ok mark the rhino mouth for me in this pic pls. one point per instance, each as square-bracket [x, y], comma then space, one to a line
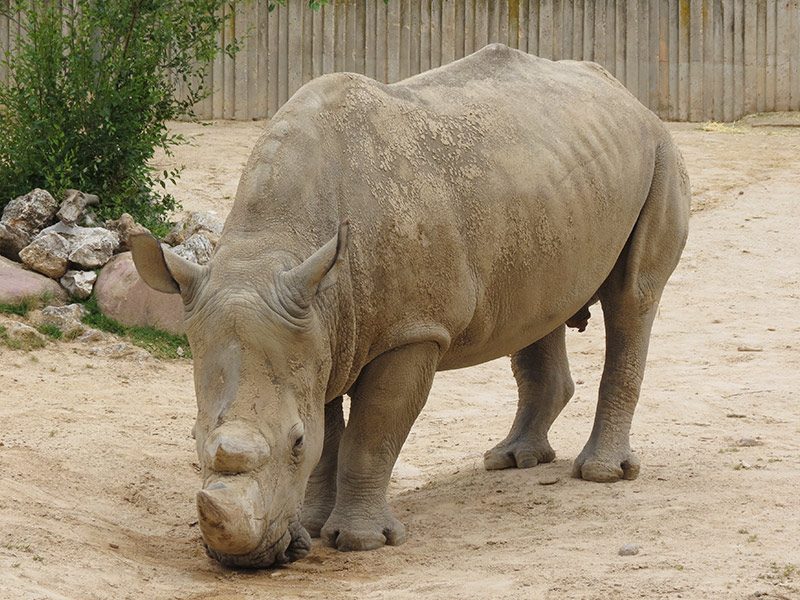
[294, 544]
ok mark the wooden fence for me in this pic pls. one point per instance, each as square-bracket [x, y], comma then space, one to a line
[691, 60]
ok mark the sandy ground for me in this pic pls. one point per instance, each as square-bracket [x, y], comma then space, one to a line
[97, 473]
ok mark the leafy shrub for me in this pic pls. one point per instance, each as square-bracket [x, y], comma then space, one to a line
[91, 86]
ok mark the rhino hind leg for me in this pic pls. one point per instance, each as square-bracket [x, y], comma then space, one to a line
[629, 298]
[545, 386]
[389, 394]
[321, 489]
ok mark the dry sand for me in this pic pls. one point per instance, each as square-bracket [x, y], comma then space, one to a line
[97, 473]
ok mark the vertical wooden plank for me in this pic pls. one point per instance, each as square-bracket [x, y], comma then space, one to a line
[405, 40]
[600, 49]
[577, 30]
[533, 27]
[251, 31]
[557, 29]
[772, 52]
[707, 10]
[663, 59]
[783, 46]
[546, 29]
[727, 58]
[502, 22]
[621, 40]
[307, 45]
[761, 55]
[283, 55]
[469, 27]
[587, 53]
[360, 33]
[217, 79]
[653, 58]
[684, 81]
[328, 38]
[415, 38]
[674, 61]
[393, 36]
[458, 28]
[695, 60]
[349, 36]
[632, 48]
[425, 36]
[492, 21]
[794, 34]
[750, 42]
[340, 43]
[643, 30]
[295, 50]
[369, 40]
[273, 74]
[436, 33]
[481, 23]
[522, 28]
[262, 61]
[611, 43]
[565, 28]
[738, 59]
[719, 62]
[448, 33]
[229, 108]
[381, 44]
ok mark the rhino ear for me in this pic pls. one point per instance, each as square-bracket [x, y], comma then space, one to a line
[318, 272]
[163, 271]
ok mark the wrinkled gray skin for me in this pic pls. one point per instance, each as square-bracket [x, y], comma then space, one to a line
[384, 232]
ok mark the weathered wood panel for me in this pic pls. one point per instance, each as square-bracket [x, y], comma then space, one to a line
[685, 59]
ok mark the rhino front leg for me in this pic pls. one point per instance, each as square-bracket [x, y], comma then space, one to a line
[545, 386]
[321, 489]
[388, 396]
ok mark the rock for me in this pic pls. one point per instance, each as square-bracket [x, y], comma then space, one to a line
[207, 224]
[66, 318]
[629, 550]
[90, 336]
[89, 247]
[23, 218]
[48, 254]
[549, 480]
[123, 296]
[20, 336]
[75, 206]
[18, 284]
[748, 442]
[197, 249]
[124, 227]
[79, 284]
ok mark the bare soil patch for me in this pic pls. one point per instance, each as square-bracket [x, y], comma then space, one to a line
[97, 473]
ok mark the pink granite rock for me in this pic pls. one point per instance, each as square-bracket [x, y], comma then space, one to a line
[122, 295]
[18, 283]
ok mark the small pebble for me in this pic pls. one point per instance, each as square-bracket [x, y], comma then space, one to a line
[113, 545]
[748, 442]
[749, 349]
[549, 480]
[629, 550]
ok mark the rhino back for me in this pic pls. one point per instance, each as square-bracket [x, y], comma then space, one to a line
[487, 199]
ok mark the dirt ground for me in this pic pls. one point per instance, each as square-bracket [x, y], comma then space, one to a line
[97, 473]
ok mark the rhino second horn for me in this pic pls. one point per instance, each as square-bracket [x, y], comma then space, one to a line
[236, 448]
[229, 517]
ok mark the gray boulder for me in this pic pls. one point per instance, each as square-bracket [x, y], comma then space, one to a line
[18, 283]
[89, 247]
[122, 295]
[79, 284]
[75, 207]
[20, 336]
[47, 254]
[66, 318]
[197, 249]
[206, 224]
[23, 218]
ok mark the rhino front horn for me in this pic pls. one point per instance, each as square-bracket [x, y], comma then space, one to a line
[231, 517]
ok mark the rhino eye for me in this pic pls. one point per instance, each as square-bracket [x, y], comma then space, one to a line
[298, 444]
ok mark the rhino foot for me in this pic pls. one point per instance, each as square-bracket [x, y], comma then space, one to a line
[314, 518]
[347, 533]
[592, 466]
[518, 453]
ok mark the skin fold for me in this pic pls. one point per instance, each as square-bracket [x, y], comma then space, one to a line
[381, 233]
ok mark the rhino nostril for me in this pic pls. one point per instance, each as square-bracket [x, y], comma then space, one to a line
[236, 447]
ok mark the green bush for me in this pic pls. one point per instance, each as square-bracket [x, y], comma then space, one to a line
[91, 86]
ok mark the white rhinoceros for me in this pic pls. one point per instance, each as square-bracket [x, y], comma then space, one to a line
[381, 233]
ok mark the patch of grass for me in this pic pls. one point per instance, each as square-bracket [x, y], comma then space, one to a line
[50, 331]
[26, 305]
[160, 344]
[26, 343]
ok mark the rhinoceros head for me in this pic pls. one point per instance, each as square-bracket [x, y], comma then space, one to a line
[261, 361]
